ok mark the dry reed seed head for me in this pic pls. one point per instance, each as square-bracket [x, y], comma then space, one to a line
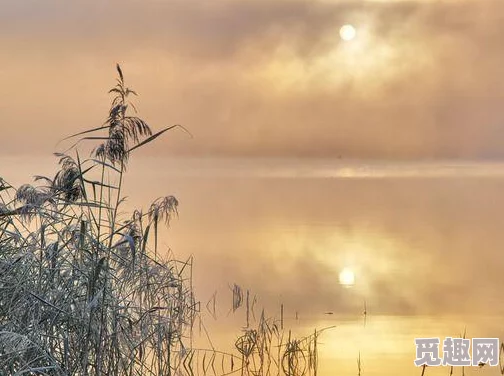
[116, 112]
[163, 208]
[136, 127]
[67, 182]
[99, 152]
[115, 146]
[32, 200]
[122, 128]
[30, 195]
[137, 218]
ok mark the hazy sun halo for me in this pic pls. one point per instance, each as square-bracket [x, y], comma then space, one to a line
[347, 277]
[348, 32]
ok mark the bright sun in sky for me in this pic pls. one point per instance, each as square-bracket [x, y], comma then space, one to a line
[348, 32]
[347, 277]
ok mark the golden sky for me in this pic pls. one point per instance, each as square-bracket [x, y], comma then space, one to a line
[275, 102]
[262, 78]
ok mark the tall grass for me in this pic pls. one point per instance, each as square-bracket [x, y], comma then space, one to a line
[80, 290]
[83, 289]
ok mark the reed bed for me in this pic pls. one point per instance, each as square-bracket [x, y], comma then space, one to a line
[84, 289]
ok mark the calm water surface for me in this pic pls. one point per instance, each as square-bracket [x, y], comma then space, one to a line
[386, 343]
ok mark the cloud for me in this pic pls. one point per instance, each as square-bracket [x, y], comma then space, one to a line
[263, 78]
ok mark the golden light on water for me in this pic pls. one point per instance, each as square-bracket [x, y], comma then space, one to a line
[347, 277]
[348, 32]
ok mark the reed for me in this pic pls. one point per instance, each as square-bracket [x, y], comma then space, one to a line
[84, 289]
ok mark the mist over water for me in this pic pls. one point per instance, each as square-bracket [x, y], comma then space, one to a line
[386, 344]
[424, 250]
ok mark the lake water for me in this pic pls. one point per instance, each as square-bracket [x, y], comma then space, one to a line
[423, 238]
[385, 343]
[387, 347]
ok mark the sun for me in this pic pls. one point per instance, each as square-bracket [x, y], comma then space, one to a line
[348, 32]
[347, 277]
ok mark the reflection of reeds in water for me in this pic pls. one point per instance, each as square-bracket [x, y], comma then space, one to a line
[83, 290]
[266, 350]
[423, 369]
